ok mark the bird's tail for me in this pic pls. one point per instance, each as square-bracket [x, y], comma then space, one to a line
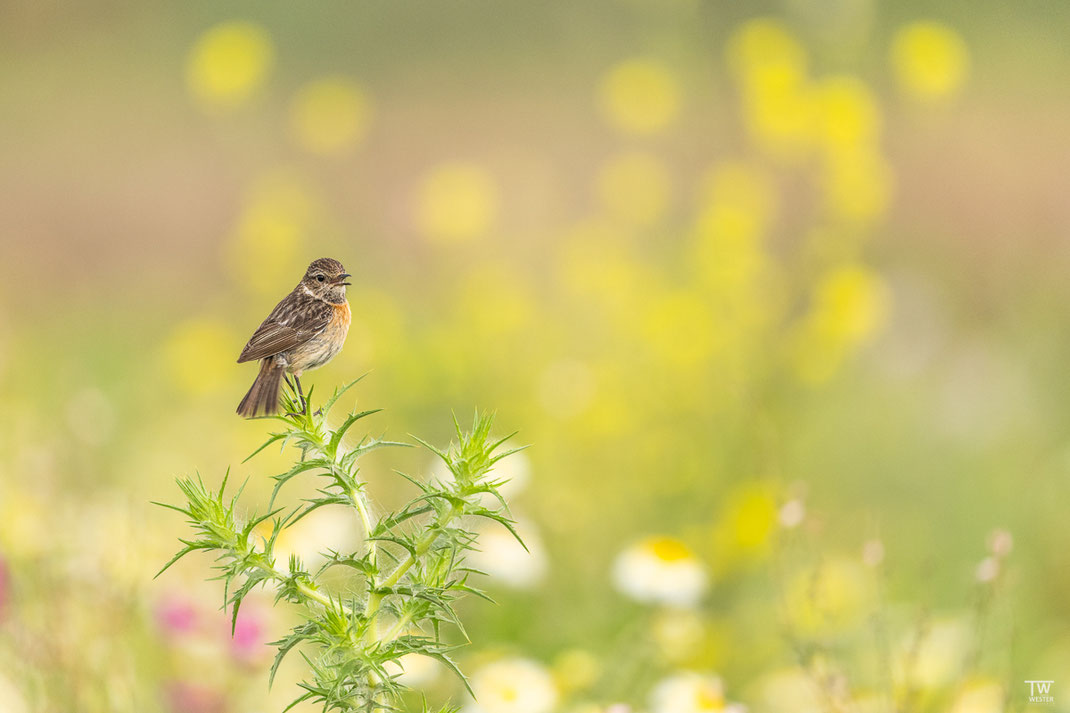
[263, 396]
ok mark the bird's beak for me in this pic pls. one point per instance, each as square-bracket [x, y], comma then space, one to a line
[341, 279]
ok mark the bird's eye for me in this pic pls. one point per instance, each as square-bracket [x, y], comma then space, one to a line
[321, 278]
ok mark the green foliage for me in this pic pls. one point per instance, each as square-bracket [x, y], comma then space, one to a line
[408, 573]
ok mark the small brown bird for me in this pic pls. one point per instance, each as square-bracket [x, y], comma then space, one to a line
[304, 331]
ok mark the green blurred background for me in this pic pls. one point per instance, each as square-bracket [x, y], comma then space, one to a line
[776, 291]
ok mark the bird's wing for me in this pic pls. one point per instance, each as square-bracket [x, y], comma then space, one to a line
[294, 321]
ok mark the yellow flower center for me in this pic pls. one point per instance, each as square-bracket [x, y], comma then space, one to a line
[708, 698]
[668, 549]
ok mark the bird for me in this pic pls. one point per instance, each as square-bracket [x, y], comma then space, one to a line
[305, 331]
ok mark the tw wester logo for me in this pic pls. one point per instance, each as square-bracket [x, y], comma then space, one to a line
[1040, 692]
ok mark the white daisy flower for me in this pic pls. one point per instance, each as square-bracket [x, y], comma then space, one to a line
[514, 685]
[505, 559]
[660, 570]
[690, 692]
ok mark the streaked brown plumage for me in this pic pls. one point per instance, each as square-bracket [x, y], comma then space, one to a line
[305, 330]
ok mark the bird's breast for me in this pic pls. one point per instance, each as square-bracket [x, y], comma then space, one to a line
[324, 346]
[343, 315]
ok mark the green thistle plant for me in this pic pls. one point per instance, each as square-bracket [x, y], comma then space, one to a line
[407, 575]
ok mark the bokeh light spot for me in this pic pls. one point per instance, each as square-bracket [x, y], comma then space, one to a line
[930, 60]
[265, 249]
[765, 45]
[770, 68]
[640, 96]
[857, 185]
[228, 64]
[329, 116]
[848, 112]
[850, 305]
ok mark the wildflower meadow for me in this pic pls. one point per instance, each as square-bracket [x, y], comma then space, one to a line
[704, 357]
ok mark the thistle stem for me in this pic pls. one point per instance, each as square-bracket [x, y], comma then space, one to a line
[364, 511]
[375, 598]
[306, 590]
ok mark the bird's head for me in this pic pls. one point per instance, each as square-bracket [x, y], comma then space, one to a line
[326, 280]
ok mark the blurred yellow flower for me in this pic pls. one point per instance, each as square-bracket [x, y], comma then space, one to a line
[660, 570]
[848, 113]
[199, 355]
[456, 202]
[329, 116]
[930, 60]
[770, 66]
[737, 204]
[513, 685]
[980, 696]
[764, 45]
[266, 248]
[742, 185]
[830, 598]
[780, 118]
[857, 185]
[850, 305]
[576, 669]
[635, 188]
[747, 524]
[228, 64]
[640, 96]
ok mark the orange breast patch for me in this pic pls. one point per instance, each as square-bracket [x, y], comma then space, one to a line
[342, 316]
